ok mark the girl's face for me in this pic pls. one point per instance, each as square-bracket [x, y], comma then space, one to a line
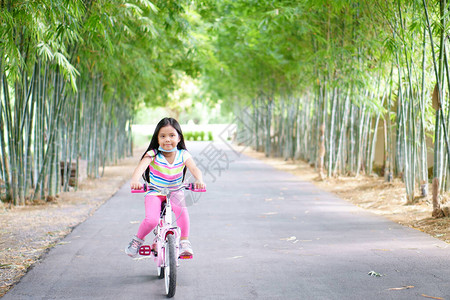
[168, 137]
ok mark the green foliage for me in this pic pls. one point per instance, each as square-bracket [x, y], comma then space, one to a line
[109, 57]
[379, 55]
[198, 136]
[310, 56]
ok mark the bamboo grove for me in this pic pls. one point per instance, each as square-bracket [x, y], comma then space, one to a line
[324, 81]
[72, 74]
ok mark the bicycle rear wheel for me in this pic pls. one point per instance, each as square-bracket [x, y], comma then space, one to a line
[170, 269]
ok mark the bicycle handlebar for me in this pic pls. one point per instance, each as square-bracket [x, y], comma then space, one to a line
[187, 186]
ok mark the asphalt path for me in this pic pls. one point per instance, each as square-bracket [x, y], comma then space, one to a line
[258, 233]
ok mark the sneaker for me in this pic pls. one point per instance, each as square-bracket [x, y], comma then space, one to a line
[133, 248]
[185, 248]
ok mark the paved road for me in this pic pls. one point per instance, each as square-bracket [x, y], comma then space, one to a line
[257, 234]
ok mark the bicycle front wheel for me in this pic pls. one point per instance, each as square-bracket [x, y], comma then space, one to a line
[170, 269]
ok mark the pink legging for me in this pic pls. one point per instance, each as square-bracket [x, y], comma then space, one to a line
[153, 210]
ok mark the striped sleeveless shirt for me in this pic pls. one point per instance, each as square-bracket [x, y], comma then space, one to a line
[165, 175]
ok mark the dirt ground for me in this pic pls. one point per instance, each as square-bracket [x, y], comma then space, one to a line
[26, 233]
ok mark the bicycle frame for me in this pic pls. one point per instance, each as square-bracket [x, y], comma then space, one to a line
[167, 240]
[164, 226]
[161, 231]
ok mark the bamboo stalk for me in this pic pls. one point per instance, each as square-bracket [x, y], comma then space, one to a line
[423, 144]
[13, 189]
[268, 126]
[28, 167]
[332, 132]
[439, 115]
[360, 139]
[340, 150]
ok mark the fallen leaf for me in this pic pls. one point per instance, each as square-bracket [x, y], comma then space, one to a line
[401, 288]
[6, 266]
[426, 296]
[374, 274]
[292, 238]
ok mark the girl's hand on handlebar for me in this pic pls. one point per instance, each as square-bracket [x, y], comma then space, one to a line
[136, 185]
[200, 185]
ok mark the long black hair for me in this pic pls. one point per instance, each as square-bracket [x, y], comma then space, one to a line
[154, 145]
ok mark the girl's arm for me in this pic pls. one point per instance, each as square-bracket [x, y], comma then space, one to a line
[140, 169]
[192, 167]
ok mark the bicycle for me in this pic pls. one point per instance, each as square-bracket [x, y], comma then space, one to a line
[165, 246]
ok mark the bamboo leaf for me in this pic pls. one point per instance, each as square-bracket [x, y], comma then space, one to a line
[149, 4]
[45, 51]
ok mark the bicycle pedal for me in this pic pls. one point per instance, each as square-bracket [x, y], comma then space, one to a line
[145, 250]
[186, 256]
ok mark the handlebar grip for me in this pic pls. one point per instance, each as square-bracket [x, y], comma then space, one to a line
[191, 187]
[141, 190]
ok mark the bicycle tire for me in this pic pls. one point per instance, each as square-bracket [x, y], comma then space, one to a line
[170, 270]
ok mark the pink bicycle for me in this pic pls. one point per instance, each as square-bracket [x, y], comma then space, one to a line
[165, 246]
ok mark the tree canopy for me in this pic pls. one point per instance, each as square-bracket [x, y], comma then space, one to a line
[320, 77]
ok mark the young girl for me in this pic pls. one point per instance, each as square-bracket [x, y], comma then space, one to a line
[163, 166]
